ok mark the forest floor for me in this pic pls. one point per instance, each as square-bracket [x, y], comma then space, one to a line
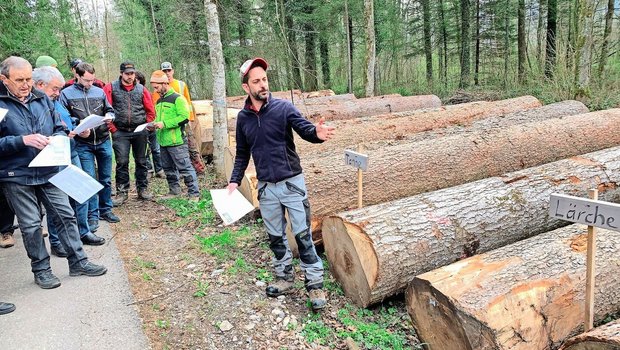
[199, 285]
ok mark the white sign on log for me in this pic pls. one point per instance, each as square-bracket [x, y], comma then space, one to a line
[585, 211]
[356, 160]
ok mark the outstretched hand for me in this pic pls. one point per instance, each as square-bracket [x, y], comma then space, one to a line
[324, 132]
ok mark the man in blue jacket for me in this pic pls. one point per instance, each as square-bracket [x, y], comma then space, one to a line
[265, 131]
[25, 130]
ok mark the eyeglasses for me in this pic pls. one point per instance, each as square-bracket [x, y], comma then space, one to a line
[21, 81]
[167, 70]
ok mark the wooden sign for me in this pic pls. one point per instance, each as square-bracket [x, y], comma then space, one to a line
[585, 211]
[356, 160]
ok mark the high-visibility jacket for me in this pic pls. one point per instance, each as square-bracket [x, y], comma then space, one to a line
[180, 88]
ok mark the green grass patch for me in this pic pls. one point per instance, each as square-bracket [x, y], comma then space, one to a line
[239, 266]
[264, 275]
[201, 213]
[202, 288]
[223, 245]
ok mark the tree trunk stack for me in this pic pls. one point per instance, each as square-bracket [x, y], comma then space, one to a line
[203, 124]
[605, 337]
[529, 295]
[405, 170]
[374, 252]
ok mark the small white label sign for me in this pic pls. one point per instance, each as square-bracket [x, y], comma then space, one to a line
[356, 160]
[585, 211]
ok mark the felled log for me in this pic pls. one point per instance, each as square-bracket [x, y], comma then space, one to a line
[427, 124]
[408, 169]
[529, 295]
[374, 252]
[203, 125]
[605, 337]
[239, 101]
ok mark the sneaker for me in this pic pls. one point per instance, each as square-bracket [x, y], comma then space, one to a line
[161, 174]
[144, 194]
[109, 217]
[317, 299]
[279, 287]
[93, 225]
[6, 308]
[121, 197]
[46, 279]
[58, 250]
[87, 268]
[7, 240]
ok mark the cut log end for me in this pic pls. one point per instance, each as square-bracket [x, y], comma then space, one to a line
[353, 260]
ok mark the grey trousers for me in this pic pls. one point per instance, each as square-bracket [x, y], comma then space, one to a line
[290, 195]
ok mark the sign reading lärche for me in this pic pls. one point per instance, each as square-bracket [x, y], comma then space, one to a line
[585, 211]
[356, 160]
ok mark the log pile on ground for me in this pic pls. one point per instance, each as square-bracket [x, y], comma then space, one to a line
[374, 252]
[525, 296]
[605, 337]
[203, 124]
[405, 170]
[292, 95]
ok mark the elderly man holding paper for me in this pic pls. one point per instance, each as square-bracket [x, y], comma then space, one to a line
[86, 102]
[29, 122]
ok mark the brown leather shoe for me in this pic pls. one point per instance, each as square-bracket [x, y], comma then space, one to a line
[7, 240]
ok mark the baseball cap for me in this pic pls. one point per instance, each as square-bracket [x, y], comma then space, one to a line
[249, 64]
[166, 65]
[127, 67]
[74, 62]
[43, 61]
[159, 76]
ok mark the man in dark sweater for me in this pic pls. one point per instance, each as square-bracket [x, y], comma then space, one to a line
[265, 131]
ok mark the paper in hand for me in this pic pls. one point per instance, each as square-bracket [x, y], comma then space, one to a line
[92, 121]
[230, 207]
[76, 183]
[56, 153]
[141, 127]
[3, 112]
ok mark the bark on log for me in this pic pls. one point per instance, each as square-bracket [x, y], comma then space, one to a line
[525, 296]
[405, 170]
[605, 337]
[239, 101]
[374, 252]
[399, 128]
[203, 124]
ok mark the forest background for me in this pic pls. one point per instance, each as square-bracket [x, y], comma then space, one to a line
[552, 49]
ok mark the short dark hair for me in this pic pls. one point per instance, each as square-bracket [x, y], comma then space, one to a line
[140, 77]
[84, 67]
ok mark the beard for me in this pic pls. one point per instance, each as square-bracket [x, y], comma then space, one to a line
[260, 95]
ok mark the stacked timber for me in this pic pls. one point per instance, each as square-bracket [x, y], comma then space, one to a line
[605, 337]
[529, 295]
[203, 124]
[296, 96]
[374, 252]
[408, 169]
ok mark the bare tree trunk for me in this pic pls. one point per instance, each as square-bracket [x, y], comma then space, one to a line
[218, 69]
[521, 41]
[292, 44]
[324, 49]
[369, 16]
[242, 28]
[444, 41]
[506, 42]
[464, 82]
[349, 43]
[477, 54]
[310, 72]
[550, 52]
[540, 34]
[585, 42]
[428, 50]
[79, 16]
[606, 35]
[156, 31]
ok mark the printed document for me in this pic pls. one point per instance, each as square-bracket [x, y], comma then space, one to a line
[230, 207]
[141, 127]
[76, 183]
[92, 121]
[3, 112]
[56, 153]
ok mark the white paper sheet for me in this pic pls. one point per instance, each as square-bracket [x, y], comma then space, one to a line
[230, 207]
[141, 127]
[56, 153]
[92, 121]
[76, 183]
[3, 112]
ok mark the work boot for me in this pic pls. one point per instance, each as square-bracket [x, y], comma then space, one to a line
[109, 217]
[121, 197]
[317, 299]
[144, 194]
[58, 250]
[6, 308]
[160, 174]
[280, 286]
[87, 268]
[46, 279]
[7, 240]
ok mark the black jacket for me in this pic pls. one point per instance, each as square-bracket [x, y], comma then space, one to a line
[81, 103]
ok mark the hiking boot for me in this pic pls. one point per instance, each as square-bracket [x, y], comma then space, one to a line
[279, 287]
[144, 194]
[6, 308]
[58, 250]
[87, 268]
[7, 240]
[121, 197]
[317, 299]
[109, 217]
[46, 279]
[161, 174]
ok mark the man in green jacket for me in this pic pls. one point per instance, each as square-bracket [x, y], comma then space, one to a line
[172, 112]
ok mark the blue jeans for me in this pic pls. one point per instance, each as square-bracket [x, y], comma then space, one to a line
[100, 203]
[81, 211]
[175, 160]
[24, 200]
